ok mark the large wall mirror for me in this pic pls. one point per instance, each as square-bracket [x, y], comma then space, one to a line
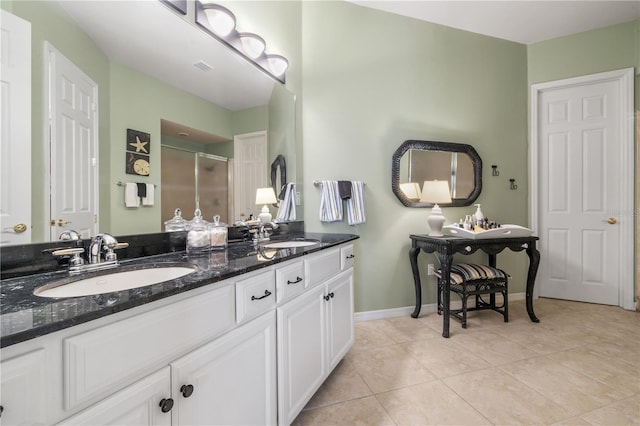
[150, 64]
[415, 162]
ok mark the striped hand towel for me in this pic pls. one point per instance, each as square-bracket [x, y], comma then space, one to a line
[355, 204]
[287, 208]
[330, 202]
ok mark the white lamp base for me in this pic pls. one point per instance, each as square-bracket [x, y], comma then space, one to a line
[436, 222]
[265, 216]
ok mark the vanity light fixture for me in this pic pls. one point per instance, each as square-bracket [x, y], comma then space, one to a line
[277, 64]
[265, 196]
[252, 44]
[220, 22]
[436, 191]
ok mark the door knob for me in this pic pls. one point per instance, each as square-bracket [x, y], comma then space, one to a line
[19, 228]
[63, 222]
[166, 405]
[612, 221]
[186, 390]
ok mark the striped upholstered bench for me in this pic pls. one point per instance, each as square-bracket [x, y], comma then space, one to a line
[468, 279]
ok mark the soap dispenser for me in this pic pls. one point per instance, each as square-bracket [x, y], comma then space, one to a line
[479, 216]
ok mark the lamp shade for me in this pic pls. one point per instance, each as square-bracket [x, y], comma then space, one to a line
[265, 196]
[221, 20]
[411, 190]
[435, 191]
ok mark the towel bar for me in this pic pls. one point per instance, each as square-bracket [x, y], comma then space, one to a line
[119, 183]
[318, 183]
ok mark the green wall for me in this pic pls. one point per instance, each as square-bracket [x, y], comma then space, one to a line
[377, 79]
[590, 52]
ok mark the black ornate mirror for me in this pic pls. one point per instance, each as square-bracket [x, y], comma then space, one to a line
[417, 161]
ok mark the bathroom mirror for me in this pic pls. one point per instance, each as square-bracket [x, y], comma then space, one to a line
[142, 79]
[417, 161]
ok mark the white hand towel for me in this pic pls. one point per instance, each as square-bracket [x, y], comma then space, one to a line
[330, 202]
[149, 199]
[131, 198]
[287, 208]
[355, 204]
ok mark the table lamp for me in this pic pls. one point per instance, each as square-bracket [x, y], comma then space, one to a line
[436, 191]
[265, 196]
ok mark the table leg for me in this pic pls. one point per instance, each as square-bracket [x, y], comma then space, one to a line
[534, 261]
[413, 258]
[445, 266]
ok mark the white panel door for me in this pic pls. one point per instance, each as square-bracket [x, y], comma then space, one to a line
[73, 99]
[250, 172]
[579, 199]
[340, 327]
[15, 153]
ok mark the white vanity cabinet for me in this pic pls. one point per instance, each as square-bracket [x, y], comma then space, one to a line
[315, 330]
[251, 349]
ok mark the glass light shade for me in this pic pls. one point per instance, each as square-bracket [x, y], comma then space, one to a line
[435, 191]
[411, 190]
[265, 196]
[277, 64]
[221, 19]
[252, 44]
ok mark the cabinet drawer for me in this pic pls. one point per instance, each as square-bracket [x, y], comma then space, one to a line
[289, 281]
[346, 257]
[321, 266]
[255, 296]
[107, 358]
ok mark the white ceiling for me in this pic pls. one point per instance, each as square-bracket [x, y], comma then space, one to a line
[516, 20]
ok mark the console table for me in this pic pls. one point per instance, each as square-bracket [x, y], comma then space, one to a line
[445, 247]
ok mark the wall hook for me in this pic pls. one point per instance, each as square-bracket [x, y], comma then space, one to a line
[495, 171]
[513, 184]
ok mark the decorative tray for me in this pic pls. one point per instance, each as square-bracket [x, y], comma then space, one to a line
[505, 231]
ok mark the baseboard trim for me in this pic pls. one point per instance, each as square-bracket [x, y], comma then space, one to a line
[400, 312]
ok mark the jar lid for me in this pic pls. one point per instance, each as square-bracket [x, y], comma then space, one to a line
[216, 221]
[197, 222]
[177, 220]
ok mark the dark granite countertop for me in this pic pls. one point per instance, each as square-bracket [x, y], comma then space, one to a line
[24, 316]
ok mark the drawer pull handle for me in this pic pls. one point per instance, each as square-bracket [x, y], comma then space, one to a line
[351, 256]
[1, 410]
[329, 296]
[267, 293]
[166, 405]
[298, 279]
[186, 390]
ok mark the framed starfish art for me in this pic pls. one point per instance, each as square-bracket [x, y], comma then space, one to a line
[138, 152]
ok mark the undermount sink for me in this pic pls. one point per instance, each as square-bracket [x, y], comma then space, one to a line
[290, 244]
[116, 280]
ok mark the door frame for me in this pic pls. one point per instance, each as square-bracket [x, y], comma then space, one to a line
[625, 162]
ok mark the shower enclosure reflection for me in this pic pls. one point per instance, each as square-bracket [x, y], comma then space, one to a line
[193, 180]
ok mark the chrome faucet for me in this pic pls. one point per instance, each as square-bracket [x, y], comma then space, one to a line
[262, 234]
[102, 243]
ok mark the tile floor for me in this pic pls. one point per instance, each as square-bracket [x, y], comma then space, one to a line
[579, 366]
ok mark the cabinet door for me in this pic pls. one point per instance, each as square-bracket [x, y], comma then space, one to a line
[340, 327]
[230, 381]
[22, 393]
[301, 351]
[146, 402]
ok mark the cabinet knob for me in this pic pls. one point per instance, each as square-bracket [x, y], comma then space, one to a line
[166, 405]
[186, 390]
[1, 410]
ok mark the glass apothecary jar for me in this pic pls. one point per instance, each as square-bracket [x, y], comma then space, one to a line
[218, 232]
[198, 237]
[177, 223]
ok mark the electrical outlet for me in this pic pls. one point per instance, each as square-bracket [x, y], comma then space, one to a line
[430, 270]
[298, 198]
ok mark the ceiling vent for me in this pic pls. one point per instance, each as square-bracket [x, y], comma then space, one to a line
[203, 66]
